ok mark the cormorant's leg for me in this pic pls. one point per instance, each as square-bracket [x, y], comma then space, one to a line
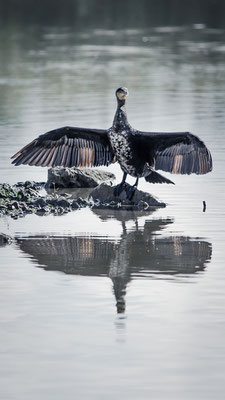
[136, 183]
[119, 188]
[130, 190]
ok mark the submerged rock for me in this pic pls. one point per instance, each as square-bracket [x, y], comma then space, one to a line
[60, 177]
[103, 197]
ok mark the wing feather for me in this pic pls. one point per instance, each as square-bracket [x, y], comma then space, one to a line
[178, 152]
[48, 157]
[64, 154]
[58, 156]
[24, 157]
[54, 155]
[67, 146]
[43, 157]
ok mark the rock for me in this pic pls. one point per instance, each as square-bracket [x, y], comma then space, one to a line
[5, 239]
[60, 177]
[74, 204]
[21, 199]
[40, 202]
[15, 204]
[53, 201]
[103, 197]
[62, 202]
[41, 211]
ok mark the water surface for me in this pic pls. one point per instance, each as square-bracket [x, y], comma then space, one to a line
[95, 304]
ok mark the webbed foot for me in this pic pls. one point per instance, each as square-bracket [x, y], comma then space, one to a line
[130, 190]
[118, 189]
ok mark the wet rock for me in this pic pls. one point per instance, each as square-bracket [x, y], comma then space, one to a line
[29, 210]
[23, 207]
[103, 197]
[53, 201]
[142, 205]
[15, 204]
[81, 202]
[21, 199]
[42, 211]
[62, 202]
[30, 185]
[40, 202]
[60, 177]
[5, 239]
[74, 205]
[7, 191]
[61, 210]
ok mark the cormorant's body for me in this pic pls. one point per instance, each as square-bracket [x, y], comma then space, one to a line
[123, 140]
[120, 137]
[138, 153]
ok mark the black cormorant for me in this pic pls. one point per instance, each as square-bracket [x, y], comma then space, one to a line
[139, 153]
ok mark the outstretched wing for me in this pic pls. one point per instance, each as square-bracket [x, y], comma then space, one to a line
[67, 147]
[178, 153]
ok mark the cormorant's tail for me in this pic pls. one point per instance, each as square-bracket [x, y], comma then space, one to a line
[155, 177]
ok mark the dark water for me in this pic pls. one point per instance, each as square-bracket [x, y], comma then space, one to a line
[100, 305]
[115, 14]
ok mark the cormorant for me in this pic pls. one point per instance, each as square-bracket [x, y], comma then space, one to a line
[139, 153]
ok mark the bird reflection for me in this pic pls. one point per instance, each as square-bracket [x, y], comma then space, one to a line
[140, 252]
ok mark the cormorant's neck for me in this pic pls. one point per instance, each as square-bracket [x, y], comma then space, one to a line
[120, 103]
[120, 119]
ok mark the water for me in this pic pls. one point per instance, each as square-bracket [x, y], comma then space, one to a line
[98, 305]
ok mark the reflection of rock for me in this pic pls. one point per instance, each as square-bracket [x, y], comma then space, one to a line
[60, 177]
[127, 215]
[104, 194]
[140, 252]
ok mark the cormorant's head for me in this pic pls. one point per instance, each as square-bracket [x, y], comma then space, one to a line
[122, 93]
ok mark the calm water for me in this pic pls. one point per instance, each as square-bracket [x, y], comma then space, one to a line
[100, 305]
